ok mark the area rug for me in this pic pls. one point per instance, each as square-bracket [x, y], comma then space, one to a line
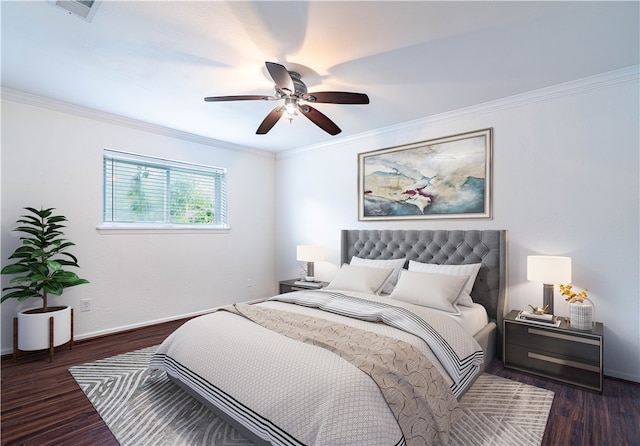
[144, 408]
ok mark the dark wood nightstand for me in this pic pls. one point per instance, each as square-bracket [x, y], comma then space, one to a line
[561, 353]
[287, 286]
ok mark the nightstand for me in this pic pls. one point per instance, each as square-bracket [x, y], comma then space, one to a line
[287, 286]
[561, 353]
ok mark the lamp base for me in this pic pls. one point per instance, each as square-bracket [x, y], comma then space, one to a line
[310, 276]
[547, 298]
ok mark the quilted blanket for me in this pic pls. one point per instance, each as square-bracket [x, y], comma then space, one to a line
[415, 391]
[291, 392]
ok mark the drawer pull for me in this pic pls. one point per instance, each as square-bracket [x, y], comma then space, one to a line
[551, 334]
[574, 364]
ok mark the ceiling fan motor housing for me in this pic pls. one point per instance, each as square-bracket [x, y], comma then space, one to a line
[300, 86]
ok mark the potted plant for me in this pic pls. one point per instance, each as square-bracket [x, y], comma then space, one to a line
[39, 264]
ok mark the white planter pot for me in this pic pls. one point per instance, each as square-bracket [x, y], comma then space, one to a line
[33, 328]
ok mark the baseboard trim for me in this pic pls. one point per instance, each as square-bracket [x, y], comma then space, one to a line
[124, 328]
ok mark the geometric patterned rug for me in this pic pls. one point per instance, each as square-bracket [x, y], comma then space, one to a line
[144, 408]
[499, 411]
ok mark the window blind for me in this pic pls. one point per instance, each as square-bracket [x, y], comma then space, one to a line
[141, 189]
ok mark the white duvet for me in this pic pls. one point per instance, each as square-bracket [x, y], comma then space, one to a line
[286, 391]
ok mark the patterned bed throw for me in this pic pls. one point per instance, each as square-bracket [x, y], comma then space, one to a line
[415, 391]
[460, 355]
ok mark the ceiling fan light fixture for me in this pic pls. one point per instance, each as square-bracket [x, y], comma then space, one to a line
[291, 107]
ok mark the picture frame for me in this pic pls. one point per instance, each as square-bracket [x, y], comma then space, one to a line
[442, 178]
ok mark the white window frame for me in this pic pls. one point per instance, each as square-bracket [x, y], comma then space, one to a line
[220, 204]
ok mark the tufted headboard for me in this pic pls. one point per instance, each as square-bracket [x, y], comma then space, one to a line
[459, 247]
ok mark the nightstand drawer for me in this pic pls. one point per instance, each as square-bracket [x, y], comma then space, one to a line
[582, 348]
[582, 373]
[561, 353]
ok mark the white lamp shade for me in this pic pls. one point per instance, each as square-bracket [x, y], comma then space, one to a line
[310, 253]
[549, 269]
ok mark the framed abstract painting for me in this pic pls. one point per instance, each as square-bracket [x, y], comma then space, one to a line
[442, 178]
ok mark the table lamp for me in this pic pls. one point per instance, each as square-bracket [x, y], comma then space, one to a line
[548, 270]
[310, 254]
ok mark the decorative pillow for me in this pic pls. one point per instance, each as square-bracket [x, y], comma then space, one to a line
[396, 264]
[439, 291]
[470, 270]
[360, 278]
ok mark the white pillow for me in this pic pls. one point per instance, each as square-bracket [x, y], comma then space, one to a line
[439, 291]
[360, 278]
[396, 264]
[470, 269]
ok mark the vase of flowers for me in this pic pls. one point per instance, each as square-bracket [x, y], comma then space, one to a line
[581, 309]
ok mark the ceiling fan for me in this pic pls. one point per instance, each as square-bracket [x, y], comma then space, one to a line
[290, 88]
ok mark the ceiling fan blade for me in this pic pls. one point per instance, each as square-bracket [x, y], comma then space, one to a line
[337, 97]
[252, 97]
[270, 120]
[281, 77]
[320, 120]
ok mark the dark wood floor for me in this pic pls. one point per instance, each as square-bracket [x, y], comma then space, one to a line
[584, 418]
[42, 405]
[41, 402]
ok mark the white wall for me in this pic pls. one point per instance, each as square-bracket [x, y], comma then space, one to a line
[54, 159]
[565, 182]
[565, 174]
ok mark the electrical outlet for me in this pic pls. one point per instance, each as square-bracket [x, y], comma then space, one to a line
[249, 283]
[85, 305]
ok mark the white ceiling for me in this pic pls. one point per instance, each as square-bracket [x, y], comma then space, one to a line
[156, 61]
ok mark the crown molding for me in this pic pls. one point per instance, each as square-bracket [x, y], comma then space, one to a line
[110, 118]
[571, 88]
[622, 76]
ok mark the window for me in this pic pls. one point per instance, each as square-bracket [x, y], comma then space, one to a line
[145, 190]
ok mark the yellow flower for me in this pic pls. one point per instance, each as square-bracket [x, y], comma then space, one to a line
[572, 296]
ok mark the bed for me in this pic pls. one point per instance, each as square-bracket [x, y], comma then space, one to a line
[364, 361]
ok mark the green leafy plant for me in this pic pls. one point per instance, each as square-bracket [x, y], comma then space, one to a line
[41, 259]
